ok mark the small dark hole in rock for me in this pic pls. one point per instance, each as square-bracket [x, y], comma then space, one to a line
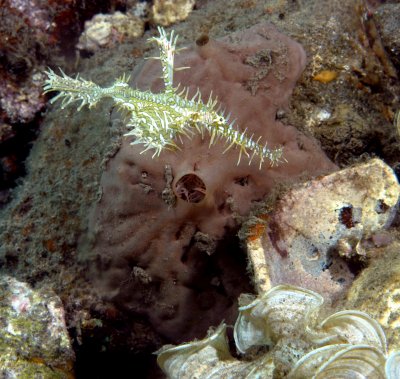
[326, 265]
[381, 207]
[346, 217]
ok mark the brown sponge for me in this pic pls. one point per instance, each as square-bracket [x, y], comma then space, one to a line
[164, 230]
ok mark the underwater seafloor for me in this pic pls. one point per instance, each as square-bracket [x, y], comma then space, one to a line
[108, 254]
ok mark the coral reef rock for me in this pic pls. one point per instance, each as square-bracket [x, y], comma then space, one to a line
[377, 291]
[315, 226]
[285, 320]
[105, 29]
[389, 28]
[23, 101]
[182, 242]
[167, 12]
[34, 341]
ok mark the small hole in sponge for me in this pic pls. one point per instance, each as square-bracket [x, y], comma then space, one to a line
[242, 181]
[190, 188]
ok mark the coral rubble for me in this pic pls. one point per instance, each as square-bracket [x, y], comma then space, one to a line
[167, 12]
[103, 30]
[34, 341]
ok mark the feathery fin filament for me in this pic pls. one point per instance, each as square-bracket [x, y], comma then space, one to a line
[158, 119]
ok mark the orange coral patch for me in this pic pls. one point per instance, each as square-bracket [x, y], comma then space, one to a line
[257, 230]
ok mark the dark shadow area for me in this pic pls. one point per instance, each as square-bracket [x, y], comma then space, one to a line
[122, 343]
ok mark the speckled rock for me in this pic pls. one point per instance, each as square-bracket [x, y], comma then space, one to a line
[389, 28]
[377, 291]
[21, 102]
[167, 12]
[316, 226]
[103, 30]
[34, 342]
